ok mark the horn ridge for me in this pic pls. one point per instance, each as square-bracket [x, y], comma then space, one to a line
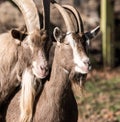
[77, 16]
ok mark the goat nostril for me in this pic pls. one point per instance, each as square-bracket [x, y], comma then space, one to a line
[41, 67]
[87, 62]
[44, 68]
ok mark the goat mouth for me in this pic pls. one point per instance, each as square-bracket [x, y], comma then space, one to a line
[80, 79]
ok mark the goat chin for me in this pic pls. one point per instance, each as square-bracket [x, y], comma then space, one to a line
[79, 79]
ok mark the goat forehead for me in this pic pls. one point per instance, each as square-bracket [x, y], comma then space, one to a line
[78, 48]
[79, 39]
[38, 44]
[75, 42]
[82, 42]
[37, 41]
[39, 53]
[70, 40]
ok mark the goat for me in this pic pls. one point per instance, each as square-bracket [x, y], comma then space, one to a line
[29, 89]
[57, 102]
[23, 58]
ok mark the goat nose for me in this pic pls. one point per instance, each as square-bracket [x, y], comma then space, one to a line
[87, 63]
[44, 68]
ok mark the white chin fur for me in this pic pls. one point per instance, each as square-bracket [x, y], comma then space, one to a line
[79, 70]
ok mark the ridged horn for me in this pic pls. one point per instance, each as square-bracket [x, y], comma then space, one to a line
[77, 16]
[30, 13]
[66, 17]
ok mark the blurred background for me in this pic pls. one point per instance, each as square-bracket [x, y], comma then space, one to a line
[101, 100]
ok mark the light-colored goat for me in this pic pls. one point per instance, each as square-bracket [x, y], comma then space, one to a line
[56, 102]
[23, 59]
[29, 82]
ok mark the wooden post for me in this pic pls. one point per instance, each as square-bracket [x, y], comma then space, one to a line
[107, 27]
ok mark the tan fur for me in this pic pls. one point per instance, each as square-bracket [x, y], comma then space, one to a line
[15, 59]
[49, 107]
[8, 68]
[56, 102]
[19, 54]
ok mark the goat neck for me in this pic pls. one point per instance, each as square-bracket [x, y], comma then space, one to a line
[62, 106]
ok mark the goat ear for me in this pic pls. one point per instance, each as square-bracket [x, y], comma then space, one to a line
[91, 34]
[16, 34]
[57, 33]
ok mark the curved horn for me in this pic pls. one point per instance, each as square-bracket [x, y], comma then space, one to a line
[77, 16]
[65, 15]
[30, 13]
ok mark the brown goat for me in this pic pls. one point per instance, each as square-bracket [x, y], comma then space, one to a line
[57, 102]
[23, 59]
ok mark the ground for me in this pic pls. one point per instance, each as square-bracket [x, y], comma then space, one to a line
[100, 101]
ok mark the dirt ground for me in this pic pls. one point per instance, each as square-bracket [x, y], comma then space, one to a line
[101, 99]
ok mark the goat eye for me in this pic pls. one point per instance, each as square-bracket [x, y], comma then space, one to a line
[66, 43]
[82, 41]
